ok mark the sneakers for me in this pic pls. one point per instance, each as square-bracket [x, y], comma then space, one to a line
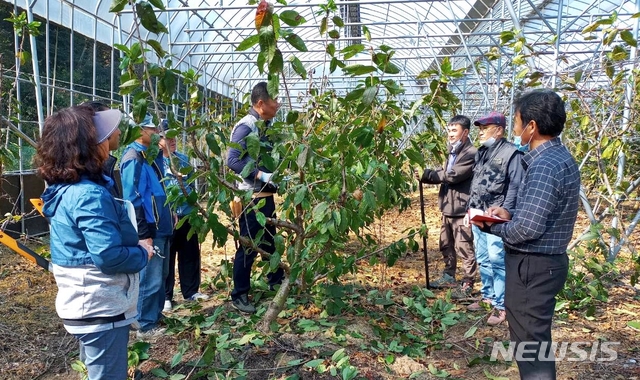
[462, 292]
[167, 306]
[497, 317]
[445, 281]
[198, 296]
[242, 303]
[483, 304]
[155, 332]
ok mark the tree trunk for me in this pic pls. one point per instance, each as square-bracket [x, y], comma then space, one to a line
[276, 306]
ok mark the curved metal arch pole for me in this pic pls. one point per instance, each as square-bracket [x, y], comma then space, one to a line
[556, 55]
[95, 50]
[47, 58]
[71, 55]
[466, 49]
[36, 70]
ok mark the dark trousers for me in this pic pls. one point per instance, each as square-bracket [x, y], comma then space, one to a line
[187, 252]
[532, 283]
[456, 241]
[243, 261]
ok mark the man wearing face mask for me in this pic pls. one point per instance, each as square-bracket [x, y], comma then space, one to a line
[454, 178]
[539, 230]
[497, 174]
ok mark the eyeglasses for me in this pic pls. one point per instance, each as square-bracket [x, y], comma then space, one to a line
[486, 128]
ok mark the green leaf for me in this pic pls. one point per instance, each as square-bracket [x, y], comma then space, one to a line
[267, 42]
[298, 67]
[148, 18]
[292, 117]
[491, 377]
[314, 363]
[130, 83]
[369, 95]
[627, 37]
[359, 69]
[300, 195]
[334, 34]
[253, 145]
[354, 95]
[323, 26]
[352, 50]
[366, 33]
[331, 49]
[158, 4]
[297, 42]
[390, 68]
[118, 5]
[276, 65]
[248, 42]
[292, 18]
[157, 48]
[212, 143]
[273, 85]
[319, 211]
[333, 65]
[261, 218]
[337, 21]
[634, 325]
[470, 332]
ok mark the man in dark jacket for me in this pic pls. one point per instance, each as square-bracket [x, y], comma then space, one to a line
[258, 180]
[497, 174]
[455, 177]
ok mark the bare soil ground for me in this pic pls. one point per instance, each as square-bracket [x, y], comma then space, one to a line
[34, 345]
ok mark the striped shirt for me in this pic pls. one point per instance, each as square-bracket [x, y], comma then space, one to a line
[547, 203]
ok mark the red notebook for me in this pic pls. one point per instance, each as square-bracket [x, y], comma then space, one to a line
[478, 215]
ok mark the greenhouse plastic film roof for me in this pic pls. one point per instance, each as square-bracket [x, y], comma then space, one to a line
[205, 34]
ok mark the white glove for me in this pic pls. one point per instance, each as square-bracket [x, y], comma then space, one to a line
[265, 177]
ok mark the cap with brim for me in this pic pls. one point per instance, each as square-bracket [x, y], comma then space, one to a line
[106, 123]
[492, 118]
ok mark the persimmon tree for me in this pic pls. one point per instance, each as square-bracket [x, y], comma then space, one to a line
[340, 162]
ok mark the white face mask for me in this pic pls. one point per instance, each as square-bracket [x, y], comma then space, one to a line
[455, 144]
[489, 142]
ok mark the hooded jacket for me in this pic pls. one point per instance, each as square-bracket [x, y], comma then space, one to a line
[455, 185]
[95, 255]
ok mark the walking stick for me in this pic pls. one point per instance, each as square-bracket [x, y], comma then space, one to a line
[426, 234]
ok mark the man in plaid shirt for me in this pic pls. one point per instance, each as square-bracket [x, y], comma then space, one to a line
[539, 230]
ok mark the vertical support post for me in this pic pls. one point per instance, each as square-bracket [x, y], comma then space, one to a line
[36, 71]
[424, 237]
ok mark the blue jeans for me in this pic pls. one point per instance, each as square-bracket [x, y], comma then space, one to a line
[104, 353]
[152, 280]
[490, 257]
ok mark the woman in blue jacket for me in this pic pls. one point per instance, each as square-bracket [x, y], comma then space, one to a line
[95, 251]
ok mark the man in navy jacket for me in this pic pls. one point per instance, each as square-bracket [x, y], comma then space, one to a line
[259, 181]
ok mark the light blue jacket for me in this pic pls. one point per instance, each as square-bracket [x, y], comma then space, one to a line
[95, 253]
[180, 161]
